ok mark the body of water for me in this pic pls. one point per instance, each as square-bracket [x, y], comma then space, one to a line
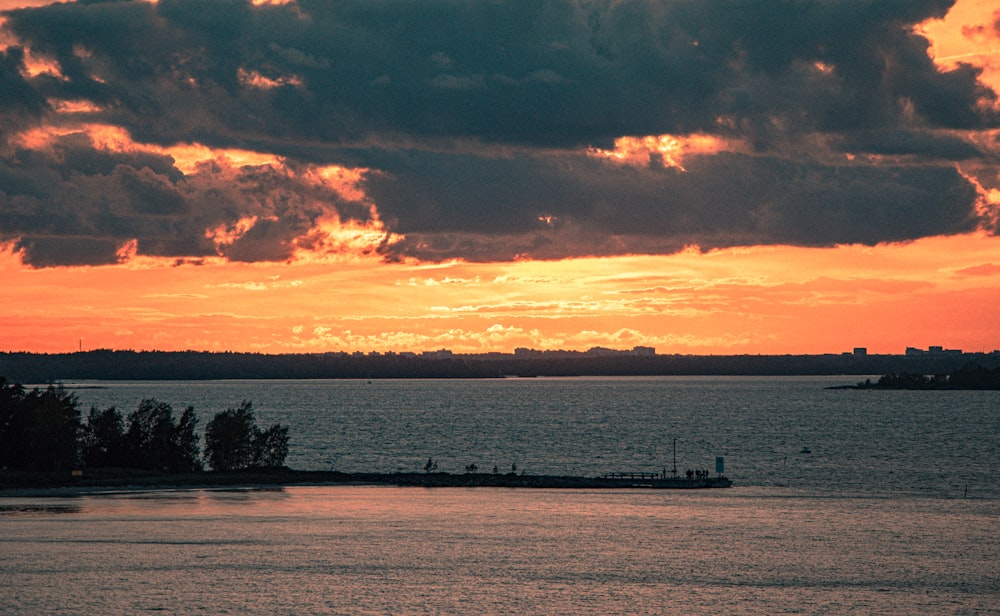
[893, 511]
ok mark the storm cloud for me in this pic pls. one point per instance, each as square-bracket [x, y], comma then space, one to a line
[77, 204]
[721, 200]
[476, 125]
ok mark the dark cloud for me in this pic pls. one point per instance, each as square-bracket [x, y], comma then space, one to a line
[578, 205]
[472, 118]
[100, 201]
[525, 72]
[40, 251]
[20, 101]
[923, 144]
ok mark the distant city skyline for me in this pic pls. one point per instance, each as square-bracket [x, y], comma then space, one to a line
[533, 353]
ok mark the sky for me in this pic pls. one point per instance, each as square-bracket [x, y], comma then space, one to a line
[697, 176]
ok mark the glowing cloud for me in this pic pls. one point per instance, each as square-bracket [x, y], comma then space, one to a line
[666, 150]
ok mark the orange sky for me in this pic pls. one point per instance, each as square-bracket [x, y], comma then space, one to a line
[939, 291]
[766, 299]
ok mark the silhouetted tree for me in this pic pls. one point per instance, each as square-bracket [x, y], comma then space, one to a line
[153, 441]
[186, 451]
[11, 405]
[39, 429]
[903, 380]
[271, 447]
[229, 438]
[104, 439]
[53, 441]
[234, 442]
[148, 436]
[974, 376]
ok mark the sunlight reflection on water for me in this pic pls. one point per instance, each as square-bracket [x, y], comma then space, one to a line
[352, 550]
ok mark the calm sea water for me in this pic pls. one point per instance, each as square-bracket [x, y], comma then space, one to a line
[894, 511]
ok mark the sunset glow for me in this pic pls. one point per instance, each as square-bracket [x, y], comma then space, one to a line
[285, 196]
[669, 150]
[755, 300]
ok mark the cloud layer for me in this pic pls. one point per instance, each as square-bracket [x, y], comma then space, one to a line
[484, 130]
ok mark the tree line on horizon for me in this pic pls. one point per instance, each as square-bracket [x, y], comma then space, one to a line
[198, 365]
[43, 430]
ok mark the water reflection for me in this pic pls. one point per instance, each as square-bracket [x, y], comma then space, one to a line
[27, 509]
[378, 549]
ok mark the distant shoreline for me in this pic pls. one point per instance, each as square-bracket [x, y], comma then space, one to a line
[876, 386]
[971, 377]
[109, 365]
[25, 484]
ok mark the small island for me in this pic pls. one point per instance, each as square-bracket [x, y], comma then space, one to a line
[970, 377]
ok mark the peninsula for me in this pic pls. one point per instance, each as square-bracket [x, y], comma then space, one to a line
[116, 480]
[969, 376]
